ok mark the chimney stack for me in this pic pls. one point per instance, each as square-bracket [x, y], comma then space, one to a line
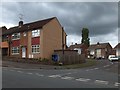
[98, 43]
[20, 23]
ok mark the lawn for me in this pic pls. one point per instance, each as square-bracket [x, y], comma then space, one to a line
[88, 63]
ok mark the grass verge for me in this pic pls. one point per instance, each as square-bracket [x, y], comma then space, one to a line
[88, 63]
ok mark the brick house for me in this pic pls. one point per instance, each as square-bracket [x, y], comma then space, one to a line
[117, 49]
[100, 50]
[3, 42]
[82, 48]
[36, 39]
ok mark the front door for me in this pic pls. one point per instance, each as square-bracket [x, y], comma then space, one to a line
[23, 52]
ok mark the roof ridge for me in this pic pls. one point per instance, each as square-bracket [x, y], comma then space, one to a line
[35, 22]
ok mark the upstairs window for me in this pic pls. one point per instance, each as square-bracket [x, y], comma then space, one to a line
[35, 33]
[15, 36]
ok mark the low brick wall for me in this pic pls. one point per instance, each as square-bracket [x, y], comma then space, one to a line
[70, 57]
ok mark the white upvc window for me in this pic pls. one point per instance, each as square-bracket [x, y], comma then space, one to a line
[35, 48]
[92, 52]
[35, 33]
[15, 36]
[15, 50]
[24, 33]
[79, 50]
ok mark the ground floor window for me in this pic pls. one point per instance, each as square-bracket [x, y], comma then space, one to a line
[35, 48]
[15, 50]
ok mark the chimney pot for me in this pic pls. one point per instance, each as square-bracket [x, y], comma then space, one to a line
[20, 23]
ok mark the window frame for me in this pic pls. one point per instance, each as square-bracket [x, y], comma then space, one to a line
[15, 50]
[15, 36]
[35, 49]
[24, 34]
[36, 33]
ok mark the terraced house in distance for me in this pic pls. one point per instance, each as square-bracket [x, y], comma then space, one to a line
[36, 39]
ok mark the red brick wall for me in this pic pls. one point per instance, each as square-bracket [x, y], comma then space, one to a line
[15, 43]
[35, 41]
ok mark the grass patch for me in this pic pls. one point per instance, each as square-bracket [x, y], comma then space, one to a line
[88, 63]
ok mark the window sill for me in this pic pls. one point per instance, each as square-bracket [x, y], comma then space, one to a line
[16, 39]
[15, 53]
[36, 53]
[35, 36]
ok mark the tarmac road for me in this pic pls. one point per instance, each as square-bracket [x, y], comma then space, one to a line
[103, 75]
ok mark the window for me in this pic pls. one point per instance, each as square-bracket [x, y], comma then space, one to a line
[15, 36]
[24, 34]
[79, 50]
[35, 48]
[15, 50]
[92, 52]
[35, 33]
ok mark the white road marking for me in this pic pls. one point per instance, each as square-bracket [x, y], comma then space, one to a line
[101, 82]
[69, 73]
[106, 66]
[39, 74]
[88, 70]
[91, 69]
[54, 76]
[96, 68]
[83, 79]
[68, 78]
[29, 73]
[117, 84]
[20, 71]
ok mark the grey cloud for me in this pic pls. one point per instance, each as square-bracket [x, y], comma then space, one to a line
[101, 18]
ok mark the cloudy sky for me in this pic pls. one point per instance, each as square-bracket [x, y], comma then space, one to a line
[101, 18]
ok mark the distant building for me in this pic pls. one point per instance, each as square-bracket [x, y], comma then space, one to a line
[100, 50]
[3, 42]
[34, 40]
[117, 49]
[82, 48]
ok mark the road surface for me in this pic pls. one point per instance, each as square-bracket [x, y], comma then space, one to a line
[103, 75]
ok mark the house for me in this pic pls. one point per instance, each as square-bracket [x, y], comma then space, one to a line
[82, 48]
[117, 49]
[100, 50]
[3, 42]
[37, 39]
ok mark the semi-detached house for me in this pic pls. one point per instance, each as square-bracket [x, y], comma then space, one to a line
[100, 50]
[34, 40]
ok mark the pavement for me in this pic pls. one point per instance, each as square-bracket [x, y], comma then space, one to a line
[28, 65]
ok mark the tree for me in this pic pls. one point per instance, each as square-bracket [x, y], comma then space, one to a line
[85, 36]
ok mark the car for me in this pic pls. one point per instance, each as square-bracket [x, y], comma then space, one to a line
[113, 58]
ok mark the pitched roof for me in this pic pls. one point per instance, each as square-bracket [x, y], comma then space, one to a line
[76, 46]
[99, 45]
[2, 30]
[117, 46]
[4, 44]
[28, 26]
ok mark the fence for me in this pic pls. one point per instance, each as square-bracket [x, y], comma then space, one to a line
[70, 57]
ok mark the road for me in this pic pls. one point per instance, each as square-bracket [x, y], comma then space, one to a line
[103, 75]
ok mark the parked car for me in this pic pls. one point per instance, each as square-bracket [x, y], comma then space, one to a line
[113, 58]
